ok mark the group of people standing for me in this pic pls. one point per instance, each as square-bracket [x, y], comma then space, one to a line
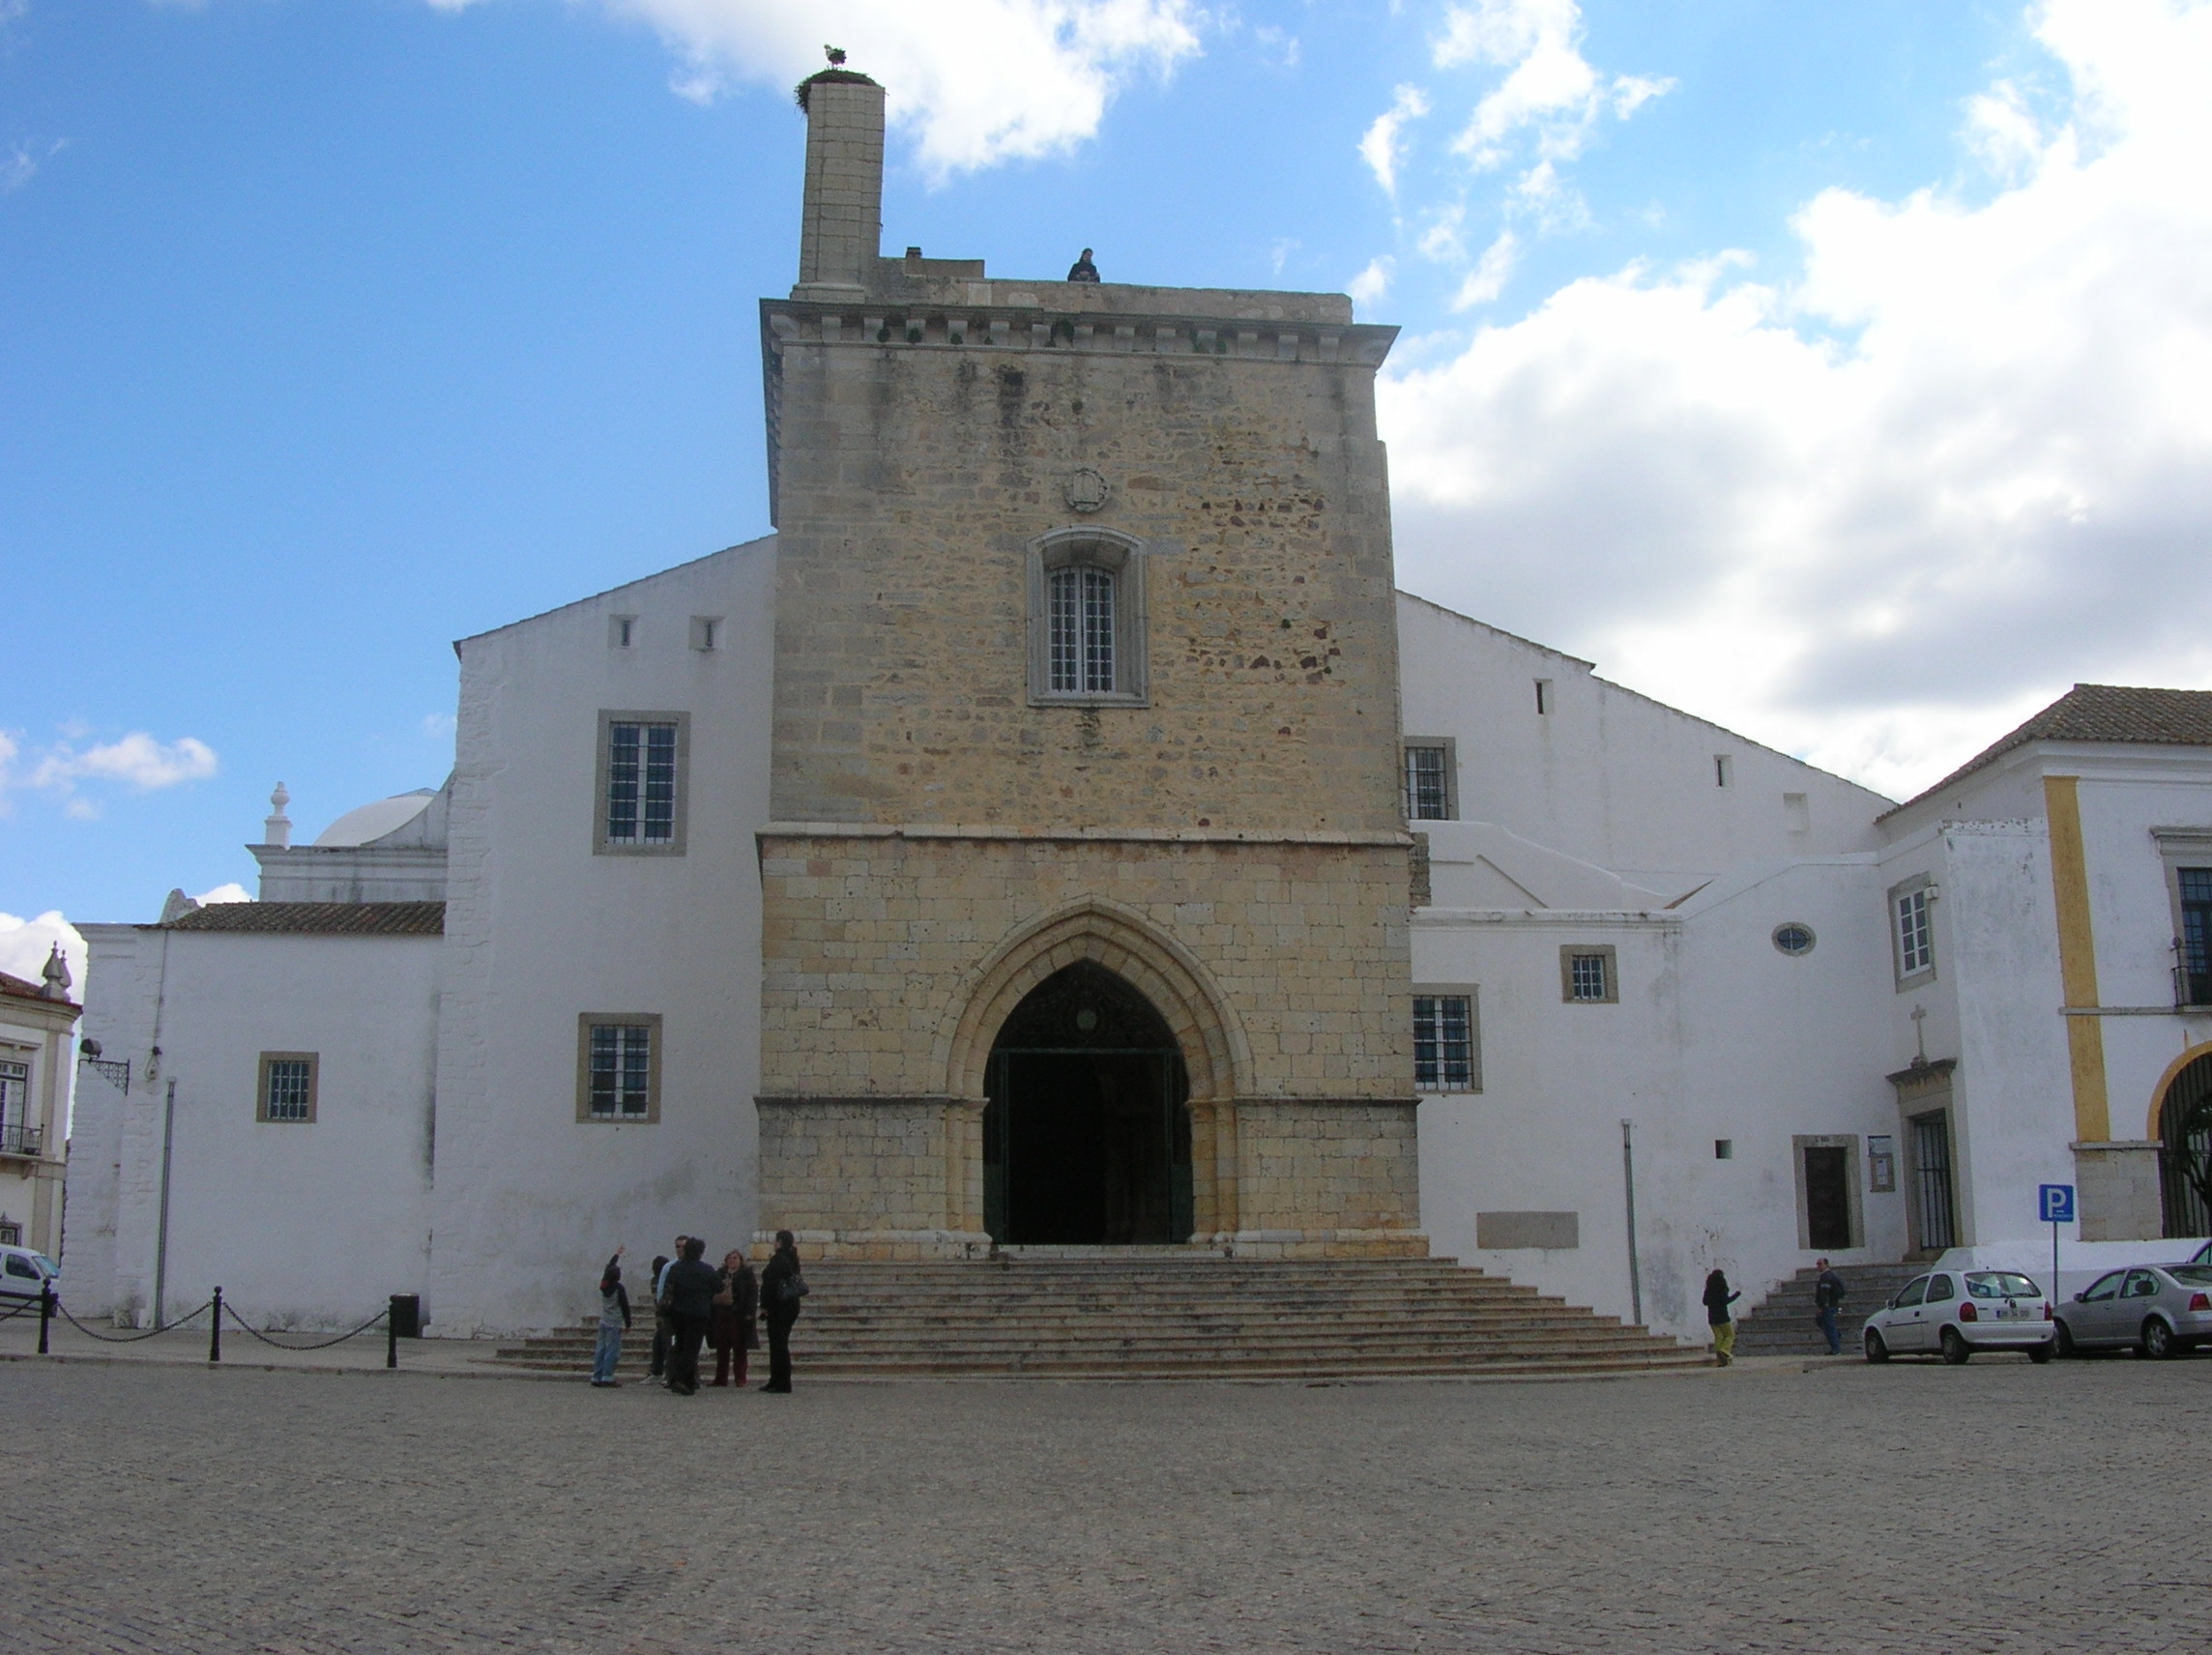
[694, 1303]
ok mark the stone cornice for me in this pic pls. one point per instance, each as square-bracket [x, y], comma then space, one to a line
[929, 325]
[774, 830]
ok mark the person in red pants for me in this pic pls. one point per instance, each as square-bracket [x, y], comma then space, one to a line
[736, 1308]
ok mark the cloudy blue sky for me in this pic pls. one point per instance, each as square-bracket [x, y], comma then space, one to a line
[1835, 372]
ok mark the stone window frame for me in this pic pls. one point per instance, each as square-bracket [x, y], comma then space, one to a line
[1471, 992]
[1609, 952]
[654, 1063]
[1124, 555]
[675, 845]
[1894, 903]
[2181, 848]
[314, 1063]
[1448, 745]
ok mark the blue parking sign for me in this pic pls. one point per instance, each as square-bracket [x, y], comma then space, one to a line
[2056, 1202]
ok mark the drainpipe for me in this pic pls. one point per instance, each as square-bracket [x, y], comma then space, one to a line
[162, 1235]
[1628, 1182]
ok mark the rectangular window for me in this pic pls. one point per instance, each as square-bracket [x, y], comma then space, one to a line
[1915, 936]
[1544, 696]
[16, 1137]
[1445, 1053]
[1586, 975]
[618, 1066]
[1429, 771]
[2196, 934]
[641, 791]
[288, 1085]
[1082, 626]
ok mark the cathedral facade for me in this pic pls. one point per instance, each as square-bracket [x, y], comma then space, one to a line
[1060, 834]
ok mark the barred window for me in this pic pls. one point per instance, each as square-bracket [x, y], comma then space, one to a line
[1916, 937]
[618, 1062]
[287, 1090]
[2196, 934]
[1445, 1055]
[1083, 599]
[641, 783]
[1586, 974]
[1428, 795]
[640, 801]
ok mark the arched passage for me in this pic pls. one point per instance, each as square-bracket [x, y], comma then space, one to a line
[2185, 1148]
[1087, 1133]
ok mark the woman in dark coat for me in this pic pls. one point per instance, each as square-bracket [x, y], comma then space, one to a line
[1718, 1298]
[734, 1308]
[781, 1288]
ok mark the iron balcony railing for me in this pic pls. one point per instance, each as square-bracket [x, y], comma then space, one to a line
[17, 1138]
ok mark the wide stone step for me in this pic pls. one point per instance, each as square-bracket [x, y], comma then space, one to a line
[1183, 1317]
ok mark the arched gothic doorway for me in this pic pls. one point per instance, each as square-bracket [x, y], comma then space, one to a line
[1087, 1133]
[2185, 1150]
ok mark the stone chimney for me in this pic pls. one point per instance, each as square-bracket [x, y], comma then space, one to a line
[840, 232]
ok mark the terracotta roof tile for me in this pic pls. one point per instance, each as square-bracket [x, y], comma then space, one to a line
[319, 918]
[15, 988]
[2100, 712]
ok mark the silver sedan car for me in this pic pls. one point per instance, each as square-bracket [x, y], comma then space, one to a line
[2159, 1310]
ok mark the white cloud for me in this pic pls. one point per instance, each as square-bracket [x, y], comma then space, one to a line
[137, 759]
[1370, 285]
[1875, 514]
[20, 162]
[1382, 143]
[1487, 280]
[1550, 90]
[27, 943]
[973, 81]
[230, 891]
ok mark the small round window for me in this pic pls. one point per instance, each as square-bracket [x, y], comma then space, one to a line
[1793, 938]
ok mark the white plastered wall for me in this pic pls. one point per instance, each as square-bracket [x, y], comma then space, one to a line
[539, 929]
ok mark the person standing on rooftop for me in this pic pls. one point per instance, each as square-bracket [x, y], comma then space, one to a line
[1083, 269]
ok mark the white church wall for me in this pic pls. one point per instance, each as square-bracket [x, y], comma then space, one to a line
[540, 929]
[119, 1012]
[1717, 1035]
[303, 1224]
[1608, 776]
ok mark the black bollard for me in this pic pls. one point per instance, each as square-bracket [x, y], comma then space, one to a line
[46, 1314]
[214, 1328]
[392, 1333]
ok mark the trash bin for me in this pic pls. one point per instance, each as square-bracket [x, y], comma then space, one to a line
[407, 1316]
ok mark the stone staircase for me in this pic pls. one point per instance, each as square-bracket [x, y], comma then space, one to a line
[1784, 1325]
[1173, 1316]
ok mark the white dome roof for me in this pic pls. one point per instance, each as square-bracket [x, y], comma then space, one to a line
[372, 822]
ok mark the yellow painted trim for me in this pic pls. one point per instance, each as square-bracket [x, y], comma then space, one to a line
[2078, 958]
[2150, 1132]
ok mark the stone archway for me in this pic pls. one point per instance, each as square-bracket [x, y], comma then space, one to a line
[2182, 1123]
[1216, 1059]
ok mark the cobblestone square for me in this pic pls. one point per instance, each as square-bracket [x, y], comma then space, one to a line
[1993, 1507]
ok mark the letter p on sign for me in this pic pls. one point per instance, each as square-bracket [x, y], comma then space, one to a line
[2056, 1204]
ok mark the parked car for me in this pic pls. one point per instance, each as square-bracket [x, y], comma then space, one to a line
[2161, 1310]
[1955, 1313]
[2202, 1255]
[22, 1272]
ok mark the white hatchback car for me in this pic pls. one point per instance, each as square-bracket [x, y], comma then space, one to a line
[23, 1272]
[1955, 1313]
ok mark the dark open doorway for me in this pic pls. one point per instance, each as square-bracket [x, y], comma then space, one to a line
[1087, 1135]
[1828, 1197]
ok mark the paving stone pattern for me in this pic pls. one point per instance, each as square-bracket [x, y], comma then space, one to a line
[1992, 1507]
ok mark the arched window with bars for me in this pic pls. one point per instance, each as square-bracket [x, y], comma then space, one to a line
[1086, 619]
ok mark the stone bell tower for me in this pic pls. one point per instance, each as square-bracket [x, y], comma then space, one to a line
[1086, 707]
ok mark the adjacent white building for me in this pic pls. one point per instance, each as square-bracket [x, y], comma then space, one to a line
[36, 1020]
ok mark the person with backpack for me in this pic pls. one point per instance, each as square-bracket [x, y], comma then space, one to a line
[1718, 1298]
[1828, 1300]
[783, 1287]
[614, 1323]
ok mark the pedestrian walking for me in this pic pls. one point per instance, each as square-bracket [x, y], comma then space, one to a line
[1718, 1298]
[614, 1322]
[689, 1295]
[781, 1288]
[1828, 1295]
[734, 1330]
[663, 1331]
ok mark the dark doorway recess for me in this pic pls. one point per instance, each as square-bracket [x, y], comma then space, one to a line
[1828, 1197]
[1086, 1134]
[2185, 1150]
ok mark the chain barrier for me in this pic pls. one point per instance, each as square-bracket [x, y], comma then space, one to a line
[49, 1303]
[128, 1338]
[321, 1345]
